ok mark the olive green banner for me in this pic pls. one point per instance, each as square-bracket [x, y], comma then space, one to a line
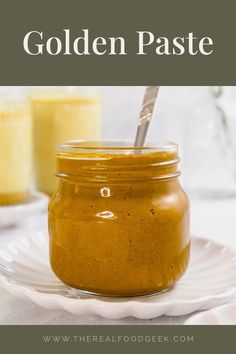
[117, 339]
[107, 42]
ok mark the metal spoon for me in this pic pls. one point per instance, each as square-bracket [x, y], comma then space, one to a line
[146, 113]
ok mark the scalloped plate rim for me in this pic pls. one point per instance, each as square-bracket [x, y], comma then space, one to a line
[131, 306]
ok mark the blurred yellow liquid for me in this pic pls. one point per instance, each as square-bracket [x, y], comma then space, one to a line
[56, 119]
[15, 153]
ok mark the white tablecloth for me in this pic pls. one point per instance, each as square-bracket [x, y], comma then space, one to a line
[214, 219]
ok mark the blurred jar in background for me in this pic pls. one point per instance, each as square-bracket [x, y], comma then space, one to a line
[15, 147]
[210, 145]
[62, 113]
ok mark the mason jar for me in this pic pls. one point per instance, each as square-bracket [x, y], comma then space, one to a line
[15, 148]
[119, 220]
[61, 113]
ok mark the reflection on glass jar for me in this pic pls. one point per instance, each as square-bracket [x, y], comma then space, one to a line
[15, 149]
[61, 114]
[119, 220]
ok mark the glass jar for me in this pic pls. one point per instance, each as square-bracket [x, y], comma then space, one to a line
[62, 113]
[15, 148]
[119, 220]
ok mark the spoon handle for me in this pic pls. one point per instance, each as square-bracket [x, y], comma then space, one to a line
[146, 114]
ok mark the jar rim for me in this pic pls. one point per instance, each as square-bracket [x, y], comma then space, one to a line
[113, 147]
[116, 159]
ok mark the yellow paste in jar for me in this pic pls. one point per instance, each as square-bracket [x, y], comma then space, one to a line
[118, 225]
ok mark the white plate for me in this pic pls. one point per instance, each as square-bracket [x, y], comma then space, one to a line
[16, 214]
[209, 281]
[222, 315]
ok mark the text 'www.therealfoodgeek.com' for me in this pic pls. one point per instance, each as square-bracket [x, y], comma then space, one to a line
[106, 339]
